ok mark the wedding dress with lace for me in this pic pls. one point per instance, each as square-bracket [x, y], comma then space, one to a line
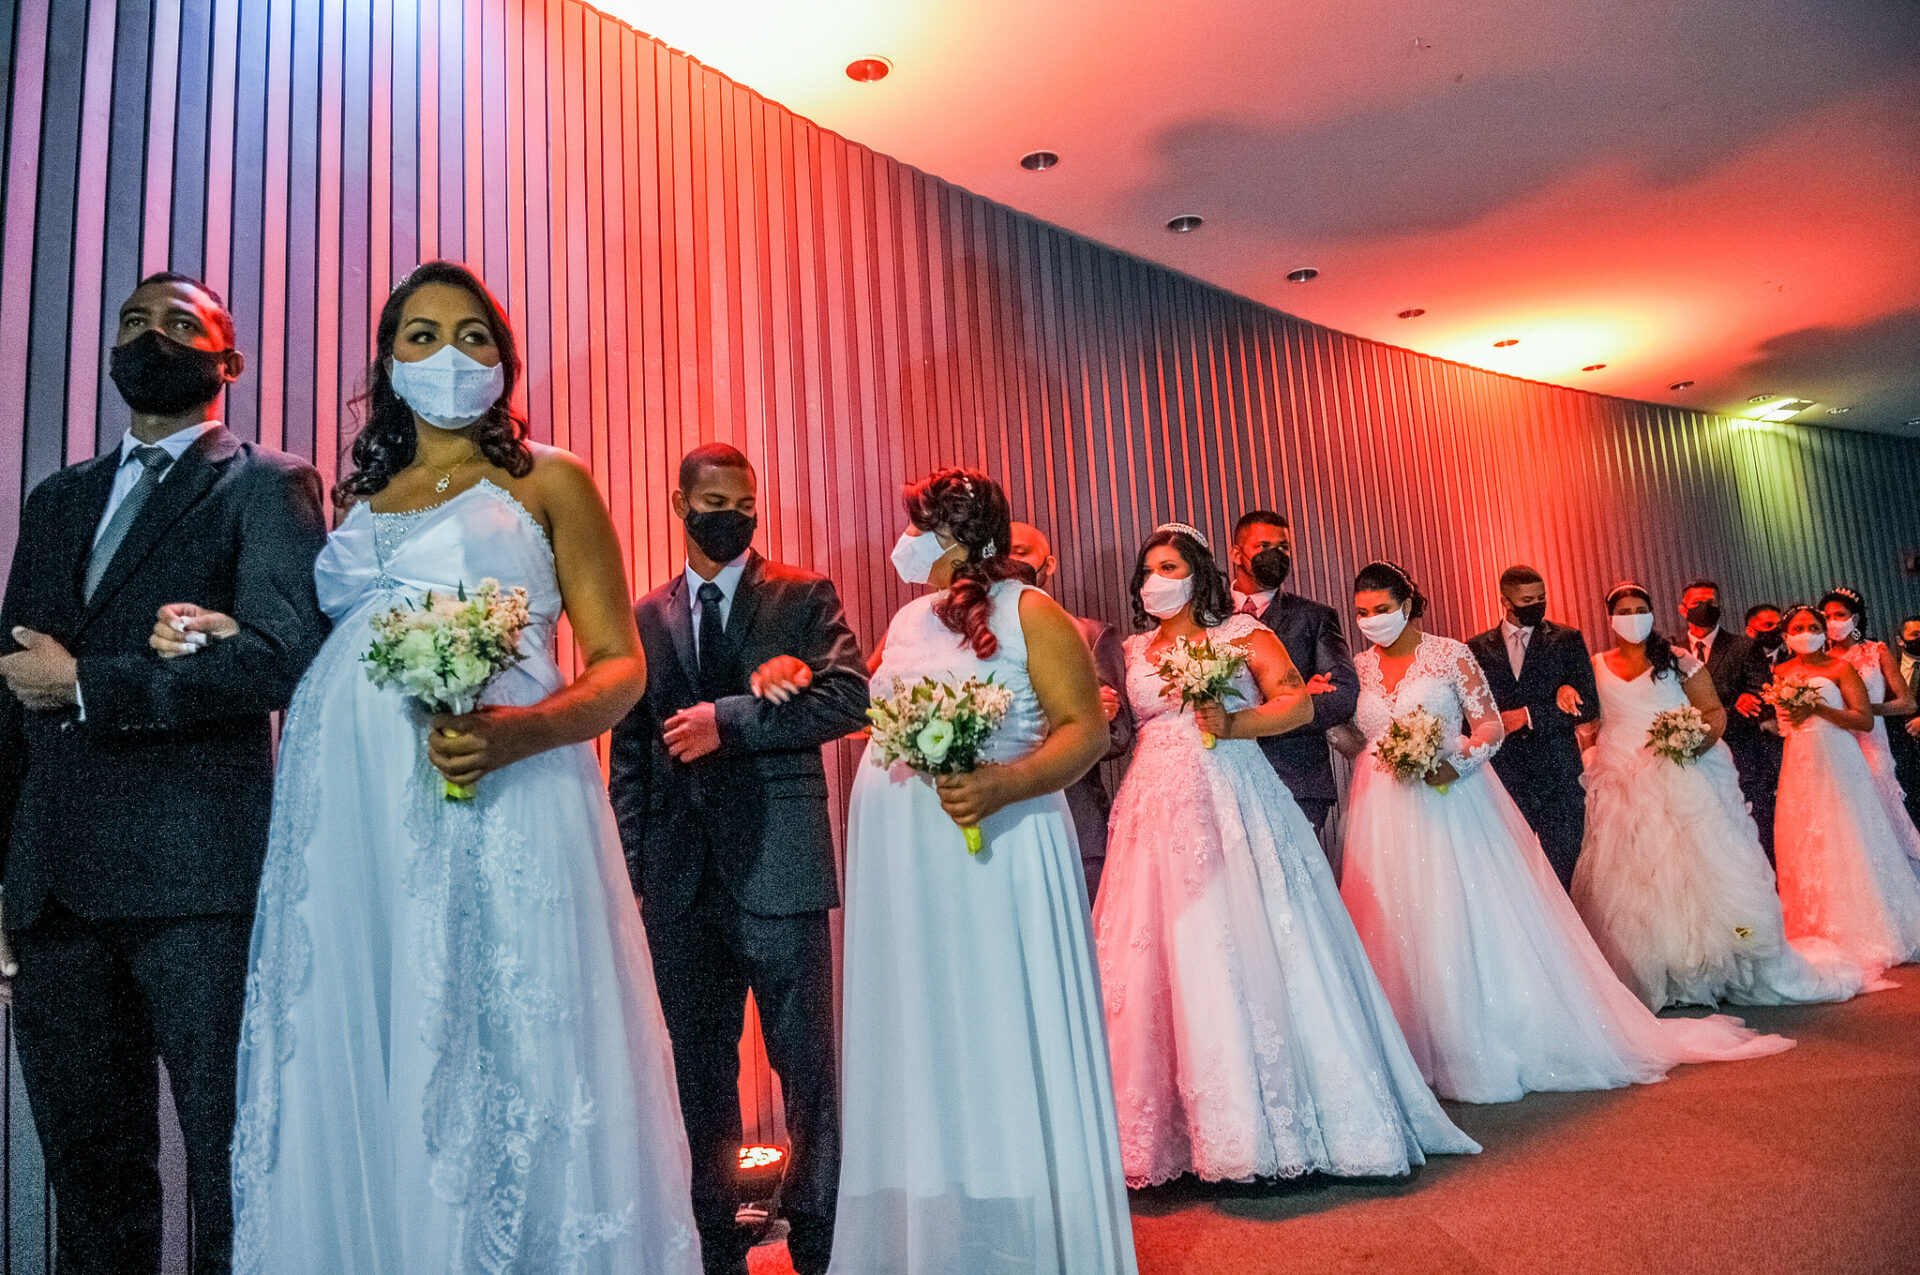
[1865, 658]
[1671, 879]
[1494, 978]
[1843, 875]
[977, 1111]
[453, 1059]
[1249, 1035]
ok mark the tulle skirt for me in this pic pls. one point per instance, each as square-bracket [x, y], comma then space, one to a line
[1494, 978]
[1676, 890]
[1250, 1037]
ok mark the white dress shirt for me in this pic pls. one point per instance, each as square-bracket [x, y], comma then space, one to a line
[1261, 601]
[174, 445]
[1701, 648]
[729, 581]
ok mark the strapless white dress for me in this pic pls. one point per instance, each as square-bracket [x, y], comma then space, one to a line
[453, 1060]
[1672, 881]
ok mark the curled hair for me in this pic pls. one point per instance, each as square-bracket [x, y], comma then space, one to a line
[1212, 600]
[386, 442]
[1394, 580]
[1848, 598]
[1659, 650]
[972, 508]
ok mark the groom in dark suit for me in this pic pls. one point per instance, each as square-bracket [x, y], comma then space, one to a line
[1541, 675]
[134, 793]
[1741, 668]
[1316, 642]
[721, 797]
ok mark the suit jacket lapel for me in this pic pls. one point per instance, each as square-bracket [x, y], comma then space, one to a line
[746, 600]
[680, 629]
[195, 473]
[81, 523]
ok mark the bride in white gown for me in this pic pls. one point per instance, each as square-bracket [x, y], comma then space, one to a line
[1249, 1035]
[1843, 873]
[1888, 695]
[977, 1129]
[453, 1061]
[1671, 879]
[1496, 982]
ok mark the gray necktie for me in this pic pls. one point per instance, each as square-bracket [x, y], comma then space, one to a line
[156, 460]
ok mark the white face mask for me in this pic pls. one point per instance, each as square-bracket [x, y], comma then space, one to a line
[1634, 628]
[1841, 630]
[1163, 596]
[1804, 643]
[1383, 630]
[914, 555]
[448, 388]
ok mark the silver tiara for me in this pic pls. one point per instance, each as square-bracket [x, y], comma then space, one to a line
[1186, 529]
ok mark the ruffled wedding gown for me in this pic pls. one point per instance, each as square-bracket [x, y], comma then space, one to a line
[453, 1060]
[1843, 874]
[1672, 881]
[977, 1109]
[1250, 1037]
[1865, 658]
[1496, 982]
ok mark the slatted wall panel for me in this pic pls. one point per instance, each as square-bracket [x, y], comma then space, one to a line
[687, 261]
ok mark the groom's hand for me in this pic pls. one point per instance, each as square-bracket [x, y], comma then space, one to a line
[41, 675]
[781, 678]
[693, 733]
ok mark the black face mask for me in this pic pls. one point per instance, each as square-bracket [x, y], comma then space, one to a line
[1703, 615]
[1271, 567]
[1911, 646]
[1769, 639]
[1530, 615]
[722, 534]
[161, 377]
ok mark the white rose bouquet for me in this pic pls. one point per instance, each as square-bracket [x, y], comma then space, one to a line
[1200, 673]
[444, 651]
[937, 727]
[1791, 691]
[1677, 734]
[1413, 747]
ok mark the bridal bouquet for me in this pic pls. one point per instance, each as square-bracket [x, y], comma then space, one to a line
[1200, 673]
[1791, 692]
[1413, 747]
[443, 651]
[937, 727]
[1677, 734]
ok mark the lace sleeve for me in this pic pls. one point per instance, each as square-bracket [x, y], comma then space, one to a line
[1484, 731]
[1687, 665]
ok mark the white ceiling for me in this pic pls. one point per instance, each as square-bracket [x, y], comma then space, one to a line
[1721, 191]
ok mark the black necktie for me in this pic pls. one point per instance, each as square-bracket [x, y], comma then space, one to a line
[712, 638]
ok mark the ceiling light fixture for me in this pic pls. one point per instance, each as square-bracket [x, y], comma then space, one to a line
[1838, 411]
[1680, 385]
[1782, 410]
[869, 70]
[1185, 224]
[1414, 313]
[1039, 161]
[1501, 345]
[1303, 274]
[1593, 367]
[1762, 398]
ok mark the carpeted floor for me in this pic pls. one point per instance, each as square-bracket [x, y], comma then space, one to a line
[1808, 1161]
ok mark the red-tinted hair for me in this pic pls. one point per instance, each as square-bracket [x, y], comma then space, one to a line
[972, 508]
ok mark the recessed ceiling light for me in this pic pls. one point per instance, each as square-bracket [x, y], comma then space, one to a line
[1593, 367]
[1501, 345]
[868, 70]
[1414, 313]
[1039, 161]
[1761, 398]
[1782, 410]
[1838, 411]
[1680, 385]
[1914, 423]
[1186, 223]
[1303, 274]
